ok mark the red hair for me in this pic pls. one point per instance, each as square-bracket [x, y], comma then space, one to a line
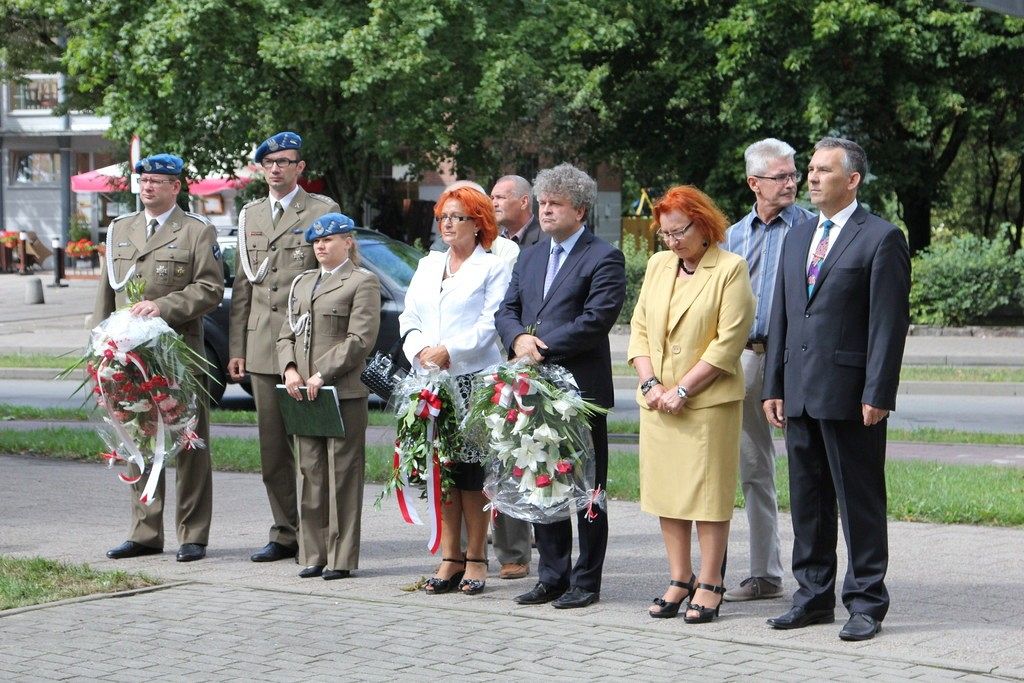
[707, 218]
[476, 205]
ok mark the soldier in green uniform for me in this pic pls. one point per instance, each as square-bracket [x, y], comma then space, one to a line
[271, 252]
[332, 325]
[177, 256]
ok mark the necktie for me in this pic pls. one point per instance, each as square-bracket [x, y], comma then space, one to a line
[151, 228]
[820, 252]
[515, 238]
[278, 211]
[556, 257]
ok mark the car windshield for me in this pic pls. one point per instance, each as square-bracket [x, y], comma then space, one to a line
[390, 259]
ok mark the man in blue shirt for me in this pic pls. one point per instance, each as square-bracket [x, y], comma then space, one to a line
[758, 237]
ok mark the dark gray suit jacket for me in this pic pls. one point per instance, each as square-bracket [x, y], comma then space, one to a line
[531, 234]
[843, 346]
[578, 313]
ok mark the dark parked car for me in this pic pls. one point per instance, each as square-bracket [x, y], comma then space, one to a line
[393, 262]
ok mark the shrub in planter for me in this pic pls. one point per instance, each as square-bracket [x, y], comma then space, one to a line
[961, 280]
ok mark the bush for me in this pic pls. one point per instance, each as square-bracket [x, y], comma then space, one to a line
[961, 280]
[637, 254]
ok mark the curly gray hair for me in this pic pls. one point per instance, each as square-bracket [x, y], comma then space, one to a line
[565, 180]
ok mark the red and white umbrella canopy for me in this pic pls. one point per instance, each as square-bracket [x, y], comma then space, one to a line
[113, 178]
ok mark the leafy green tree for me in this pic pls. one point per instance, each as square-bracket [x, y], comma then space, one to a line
[908, 79]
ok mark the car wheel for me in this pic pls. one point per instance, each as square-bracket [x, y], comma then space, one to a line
[219, 382]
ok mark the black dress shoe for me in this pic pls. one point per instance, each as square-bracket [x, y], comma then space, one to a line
[798, 617]
[860, 627]
[576, 597]
[190, 552]
[540, 594]
[311, 571]
[332, 574]
[132, 549]
[272, 552]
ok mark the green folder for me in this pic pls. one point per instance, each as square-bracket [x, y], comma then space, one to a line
[320, 417]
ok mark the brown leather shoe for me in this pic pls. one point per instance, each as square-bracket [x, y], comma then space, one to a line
[513, 570]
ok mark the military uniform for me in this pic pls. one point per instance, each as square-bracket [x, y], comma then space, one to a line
[181, 267]
[343, 323]
[258, 310]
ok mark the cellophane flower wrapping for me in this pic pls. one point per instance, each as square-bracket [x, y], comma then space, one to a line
[428, 409]
[532, 421]
[144, 380]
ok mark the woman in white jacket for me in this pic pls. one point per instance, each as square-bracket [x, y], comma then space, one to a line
[449, 320]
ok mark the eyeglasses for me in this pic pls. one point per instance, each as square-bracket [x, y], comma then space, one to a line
[675, 236]
[280, 163]
[155, 181]
[782, 178]
[453, 218]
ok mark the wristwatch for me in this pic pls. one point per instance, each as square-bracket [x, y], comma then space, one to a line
[648, 385]
[681, 392]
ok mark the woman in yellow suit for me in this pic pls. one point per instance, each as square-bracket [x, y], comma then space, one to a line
[690, 324]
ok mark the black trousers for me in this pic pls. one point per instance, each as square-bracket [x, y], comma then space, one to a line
[554, 541]
[837, 469]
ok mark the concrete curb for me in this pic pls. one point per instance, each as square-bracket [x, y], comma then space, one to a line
[91, 598]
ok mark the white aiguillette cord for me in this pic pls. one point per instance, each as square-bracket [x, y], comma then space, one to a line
[111, 278]
[300, 324]
[243, 255]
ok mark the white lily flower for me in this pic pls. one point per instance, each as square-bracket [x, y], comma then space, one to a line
[521, 421]
[547, 434]
[527, 481]
[565, 409]
[529, 454]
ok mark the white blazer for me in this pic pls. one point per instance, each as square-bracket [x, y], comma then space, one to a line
[457, 313]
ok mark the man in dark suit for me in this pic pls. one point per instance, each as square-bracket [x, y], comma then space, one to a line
[513, 209]
[564, 297]
[838, 327]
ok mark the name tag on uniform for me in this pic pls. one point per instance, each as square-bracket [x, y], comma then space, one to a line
[255, 233]
[123, 244]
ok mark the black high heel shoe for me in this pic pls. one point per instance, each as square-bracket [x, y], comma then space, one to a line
[437, 586]
[667, 610]
[705, 614]
[473, 586]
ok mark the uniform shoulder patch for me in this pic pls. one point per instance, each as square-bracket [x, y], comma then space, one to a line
[364, 271]
[199, 217]
[126, 215]
[320, 198]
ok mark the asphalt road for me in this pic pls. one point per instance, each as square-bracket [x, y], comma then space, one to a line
[995, 414]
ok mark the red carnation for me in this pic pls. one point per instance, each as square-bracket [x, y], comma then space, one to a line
[563, 467]
[517, 471]
[543, 480]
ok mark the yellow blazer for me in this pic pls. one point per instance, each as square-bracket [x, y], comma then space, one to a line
[711, 323]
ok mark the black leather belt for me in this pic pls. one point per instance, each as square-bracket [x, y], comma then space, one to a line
[757, 345]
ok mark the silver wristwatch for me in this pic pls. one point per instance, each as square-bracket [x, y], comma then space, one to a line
[681, 392]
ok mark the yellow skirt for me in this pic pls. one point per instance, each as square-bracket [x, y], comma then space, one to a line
[689, 462]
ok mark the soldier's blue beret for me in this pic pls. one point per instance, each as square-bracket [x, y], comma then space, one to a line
[275, 143]
[330, 224]
[165, 164]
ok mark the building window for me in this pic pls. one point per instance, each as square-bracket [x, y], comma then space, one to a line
[35, 93]
[29, 168]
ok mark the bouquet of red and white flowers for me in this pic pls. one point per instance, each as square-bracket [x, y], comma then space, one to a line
[533, 422]
[145, 382]
[428, 443]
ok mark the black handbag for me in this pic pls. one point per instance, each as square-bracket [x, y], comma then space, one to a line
[384, 371]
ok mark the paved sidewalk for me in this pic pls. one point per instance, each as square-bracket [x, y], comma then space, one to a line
[955, 616]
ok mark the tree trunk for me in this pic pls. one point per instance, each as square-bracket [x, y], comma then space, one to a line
[917, 214]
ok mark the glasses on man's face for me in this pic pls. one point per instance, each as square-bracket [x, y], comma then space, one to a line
[452, 218]
[280, 163]
[156, 181]
[674, 236]
[782, 178]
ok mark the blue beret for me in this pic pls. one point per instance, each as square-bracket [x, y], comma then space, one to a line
[275, 143]
[330, 224]
[165, 164]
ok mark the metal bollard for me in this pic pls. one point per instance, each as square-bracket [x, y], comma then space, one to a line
[34, 291]
[58, 264]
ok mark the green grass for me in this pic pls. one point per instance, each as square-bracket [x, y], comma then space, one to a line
[31, 581]
[918, 491]
[36, 360]
[217, 416]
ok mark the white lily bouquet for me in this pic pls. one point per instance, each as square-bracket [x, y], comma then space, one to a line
[532, 422]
